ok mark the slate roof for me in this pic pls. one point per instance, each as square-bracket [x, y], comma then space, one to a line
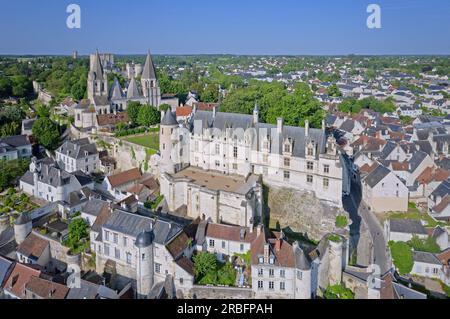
[15, 141]
[87, 290]
[387, 150]
[348, 125]
[169, 119]
[27, 178]
[78, 149]
[376, 175]
[133, 224]
[407, 226]
[94, 207]
[97, 68]
[222, 121]
[5, 267]
[442, 190]
[116, 90]
[416, 160]
[425, 257]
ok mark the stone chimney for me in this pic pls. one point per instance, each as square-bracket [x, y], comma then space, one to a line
[323, 125]
[306, 128]
[162, 114]
[214, 112]
[278, 244]
[280, 125]
[266, 253]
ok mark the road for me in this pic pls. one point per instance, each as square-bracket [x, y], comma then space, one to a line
[357, 210]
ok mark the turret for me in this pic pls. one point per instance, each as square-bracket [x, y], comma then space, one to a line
[144, 264]
[22, 227]
[168, 125]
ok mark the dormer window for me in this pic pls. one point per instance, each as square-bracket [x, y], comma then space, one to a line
[287, 147]
[310, 150]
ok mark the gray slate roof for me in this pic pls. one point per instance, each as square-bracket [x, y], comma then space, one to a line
[409, 226]
[5, 268]
[133, 90]
[78, 148]
[425, 257]
[169, 118]
[133, 225]
[416, 160]
[116, 90]
[376, 175]
[97, 67]
[223, 121]
[94, 206]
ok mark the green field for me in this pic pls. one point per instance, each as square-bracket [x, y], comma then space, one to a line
[150, 140]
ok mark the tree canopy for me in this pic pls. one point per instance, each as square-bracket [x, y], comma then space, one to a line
[46, 132]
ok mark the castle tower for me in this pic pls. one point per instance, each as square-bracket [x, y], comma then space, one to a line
[144, 264]
[303, 278]
[22, 227]
[168, 125]
[335, 258]
[149, 83]
[97, 84]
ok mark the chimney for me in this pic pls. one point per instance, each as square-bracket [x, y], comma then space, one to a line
[266, 253]
[280, 125]
[162, 114]
[278, 244]
[214, 112]
[306, 128]
[323, 125]
[258, 230]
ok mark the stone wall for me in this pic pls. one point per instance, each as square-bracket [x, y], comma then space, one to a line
[204, 292]
[302, 212]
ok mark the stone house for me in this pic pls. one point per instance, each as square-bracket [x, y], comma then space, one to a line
[78, 155]
[118, 184]
[404, 230]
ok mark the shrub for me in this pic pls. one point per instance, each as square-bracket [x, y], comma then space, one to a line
[338, 292]
[341, 221]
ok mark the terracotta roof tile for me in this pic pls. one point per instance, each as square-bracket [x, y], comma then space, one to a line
[124, 177]
[184, 111]
[33, 246]
[19, 277]
[442, 205]
[111, 119]
[232, 233]
[46, 289]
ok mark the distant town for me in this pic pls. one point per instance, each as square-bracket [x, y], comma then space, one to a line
[224, 177]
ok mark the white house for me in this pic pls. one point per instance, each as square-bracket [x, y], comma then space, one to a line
[404, 230]
[78, 155]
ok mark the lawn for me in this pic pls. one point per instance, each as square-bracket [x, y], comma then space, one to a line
[402, 256]
[149, 140]
[413, 213]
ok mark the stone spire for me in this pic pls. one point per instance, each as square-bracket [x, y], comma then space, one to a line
[116, 91]
[133, 91]
[97, 67]
[149, 68]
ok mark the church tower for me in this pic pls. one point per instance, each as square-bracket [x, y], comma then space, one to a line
[149, 83]
[97, 84]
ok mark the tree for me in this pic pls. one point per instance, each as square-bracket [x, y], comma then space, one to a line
[11, 171]
[78, 233]
[133, 109]
[165, 107]
[204, 263]
[428, 245]
[46, 132]
[42, 110]
[334, 91]
[148, 116]
[21, 86]
[5, 87]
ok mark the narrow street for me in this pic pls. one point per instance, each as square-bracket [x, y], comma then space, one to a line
[357, 210]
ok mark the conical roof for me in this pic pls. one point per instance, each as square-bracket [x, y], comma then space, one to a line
[116, 90]
[169, 118]
[133, 91]
[23, 219]
[149, 68]
[97, 67]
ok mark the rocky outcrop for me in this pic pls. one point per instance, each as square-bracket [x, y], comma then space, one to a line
[302, 212]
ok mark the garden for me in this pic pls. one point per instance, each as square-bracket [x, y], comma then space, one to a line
[209, 271]
[12, 201]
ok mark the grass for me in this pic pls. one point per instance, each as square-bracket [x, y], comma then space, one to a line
[341, 221]
[402, 256]
[150, 140]
[414, 213]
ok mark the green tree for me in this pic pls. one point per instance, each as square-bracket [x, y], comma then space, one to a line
[204, 263]
[334, 91]
[46, 132]
[148, 116]
[428, 245]
[133, 109]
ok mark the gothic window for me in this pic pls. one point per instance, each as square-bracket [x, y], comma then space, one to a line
[326, 169]
[217, 149]
[287, 147]
[310, 150]
[286, 175]
[309, 166]
[235, 152]
[287, 161]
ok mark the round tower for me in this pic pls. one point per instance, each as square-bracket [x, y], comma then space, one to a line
[22, 227]
[168, 125]
[303, 273]
[335, 258]
[144, 264]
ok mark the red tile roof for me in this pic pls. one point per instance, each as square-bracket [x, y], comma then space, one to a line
[227, 232]
[184, 111]
[112, 119]
[19, 277]
[33, 246]
[46, 289]
[124, 177]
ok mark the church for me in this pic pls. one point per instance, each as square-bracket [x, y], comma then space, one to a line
[106, 106]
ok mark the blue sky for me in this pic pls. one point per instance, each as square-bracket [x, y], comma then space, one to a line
[299, 27]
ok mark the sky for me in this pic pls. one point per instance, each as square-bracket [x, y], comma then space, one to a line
[252, 27]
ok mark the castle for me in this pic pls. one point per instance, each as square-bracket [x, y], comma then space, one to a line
[216, 158]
